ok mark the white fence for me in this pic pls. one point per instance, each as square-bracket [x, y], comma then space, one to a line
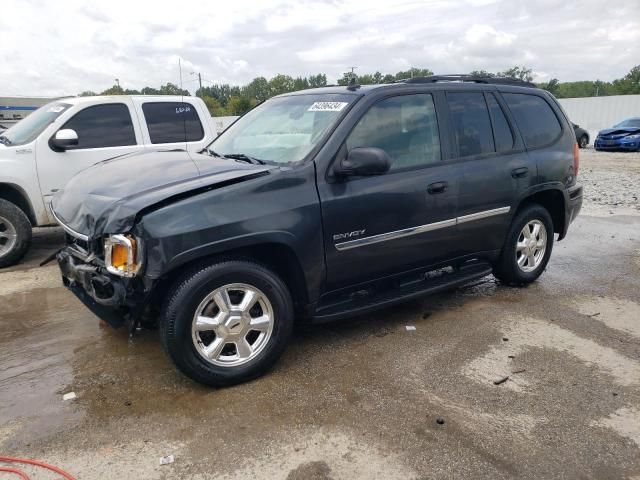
[596, 113]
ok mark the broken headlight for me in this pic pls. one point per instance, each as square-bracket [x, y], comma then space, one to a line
[123, 255]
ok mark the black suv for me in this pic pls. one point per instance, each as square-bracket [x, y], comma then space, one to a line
[319, 205]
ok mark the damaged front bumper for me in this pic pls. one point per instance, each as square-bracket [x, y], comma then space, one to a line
[116, 300]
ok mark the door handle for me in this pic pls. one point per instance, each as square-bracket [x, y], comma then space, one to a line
[520, 172]
[437, 187]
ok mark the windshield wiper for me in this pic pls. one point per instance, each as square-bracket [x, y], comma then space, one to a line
[4, 140]
[245, 158]
[212, 152]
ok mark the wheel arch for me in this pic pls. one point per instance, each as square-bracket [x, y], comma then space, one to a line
[276, 256]
[553, 200]
[16, 195]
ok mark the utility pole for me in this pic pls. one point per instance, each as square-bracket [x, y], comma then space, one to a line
[199, 80]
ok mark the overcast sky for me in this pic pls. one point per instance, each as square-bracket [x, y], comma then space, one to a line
[65, 47]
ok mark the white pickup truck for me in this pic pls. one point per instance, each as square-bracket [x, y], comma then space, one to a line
[41, 153]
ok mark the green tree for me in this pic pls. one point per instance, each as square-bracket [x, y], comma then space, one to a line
[482, 73]
[150, 91]
[551, 86]
[172, 89]
[214, 107]
[87, 93]
[629, 84]
[521, 73]
[319, 80]
[258, 88]
[115, 90]
[238, 105]
[281, 84]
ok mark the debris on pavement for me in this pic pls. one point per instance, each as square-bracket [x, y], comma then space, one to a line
[167, 460]
[522, 370]
[69, 396]
[410, 328]
[440, 421]
[501, 380]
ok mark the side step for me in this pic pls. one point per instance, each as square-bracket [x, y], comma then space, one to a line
[365, 301]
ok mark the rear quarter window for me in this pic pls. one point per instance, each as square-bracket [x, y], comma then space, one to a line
[536, 120]
[172, 122]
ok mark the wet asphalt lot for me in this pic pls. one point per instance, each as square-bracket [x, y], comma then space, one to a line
[359, 399]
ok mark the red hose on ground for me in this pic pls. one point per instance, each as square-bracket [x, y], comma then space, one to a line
[15, 471]
[35, 463]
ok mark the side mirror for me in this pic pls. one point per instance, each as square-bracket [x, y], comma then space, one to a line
[364, 161]
[63, 139]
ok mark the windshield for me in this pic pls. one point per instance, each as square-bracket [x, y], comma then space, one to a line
[28, 129]
[283, 129]
[629, 123]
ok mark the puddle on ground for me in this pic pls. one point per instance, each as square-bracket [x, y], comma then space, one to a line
[625, 421]
[619, 314]
[525, 333]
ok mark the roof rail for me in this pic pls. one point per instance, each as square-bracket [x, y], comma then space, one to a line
[469, 78]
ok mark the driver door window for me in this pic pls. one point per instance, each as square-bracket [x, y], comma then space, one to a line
[405, 127]
[102, 126]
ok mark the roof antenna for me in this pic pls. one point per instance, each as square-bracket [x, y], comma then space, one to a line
[182, 107]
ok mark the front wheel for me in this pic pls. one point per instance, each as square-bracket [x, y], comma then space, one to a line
[227, 323]
[15, 234]
[527, 248]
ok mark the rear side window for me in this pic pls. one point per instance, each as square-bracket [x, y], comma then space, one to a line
[537, 123]
[501, 132]
[405, 127]
[103, 126]
[471, 122]
[172, 122]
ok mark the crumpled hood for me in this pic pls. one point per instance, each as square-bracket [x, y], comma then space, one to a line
[106, 197]
[619, 131]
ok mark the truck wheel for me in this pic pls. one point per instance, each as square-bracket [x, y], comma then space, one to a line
[226, 323]
[15, 234]
[527, 248]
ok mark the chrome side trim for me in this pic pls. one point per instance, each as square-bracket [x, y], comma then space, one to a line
[67, 229]
[479, 215]
[383, 237]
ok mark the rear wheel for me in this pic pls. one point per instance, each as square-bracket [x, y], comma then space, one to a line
[527, 248]
[15, 234]
[227, 323]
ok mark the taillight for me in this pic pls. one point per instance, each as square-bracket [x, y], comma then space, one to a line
[576, 159]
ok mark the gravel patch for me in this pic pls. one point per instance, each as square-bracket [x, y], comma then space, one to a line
[611, 182]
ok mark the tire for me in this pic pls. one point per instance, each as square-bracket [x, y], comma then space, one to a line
[507, 268]
[583, 142]
[200, 291]
[15, 234]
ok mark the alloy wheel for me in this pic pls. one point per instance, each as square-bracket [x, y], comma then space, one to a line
[531, 245]
[232, 325]
[8, 236]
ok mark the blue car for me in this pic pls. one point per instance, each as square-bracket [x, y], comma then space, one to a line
[623, 136]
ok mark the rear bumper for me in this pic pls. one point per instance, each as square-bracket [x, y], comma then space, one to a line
[573, 199]
[114, 299]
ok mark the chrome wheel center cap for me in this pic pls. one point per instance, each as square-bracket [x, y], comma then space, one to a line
[235, 325]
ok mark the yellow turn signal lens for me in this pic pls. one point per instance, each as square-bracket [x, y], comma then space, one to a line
[119, 255]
